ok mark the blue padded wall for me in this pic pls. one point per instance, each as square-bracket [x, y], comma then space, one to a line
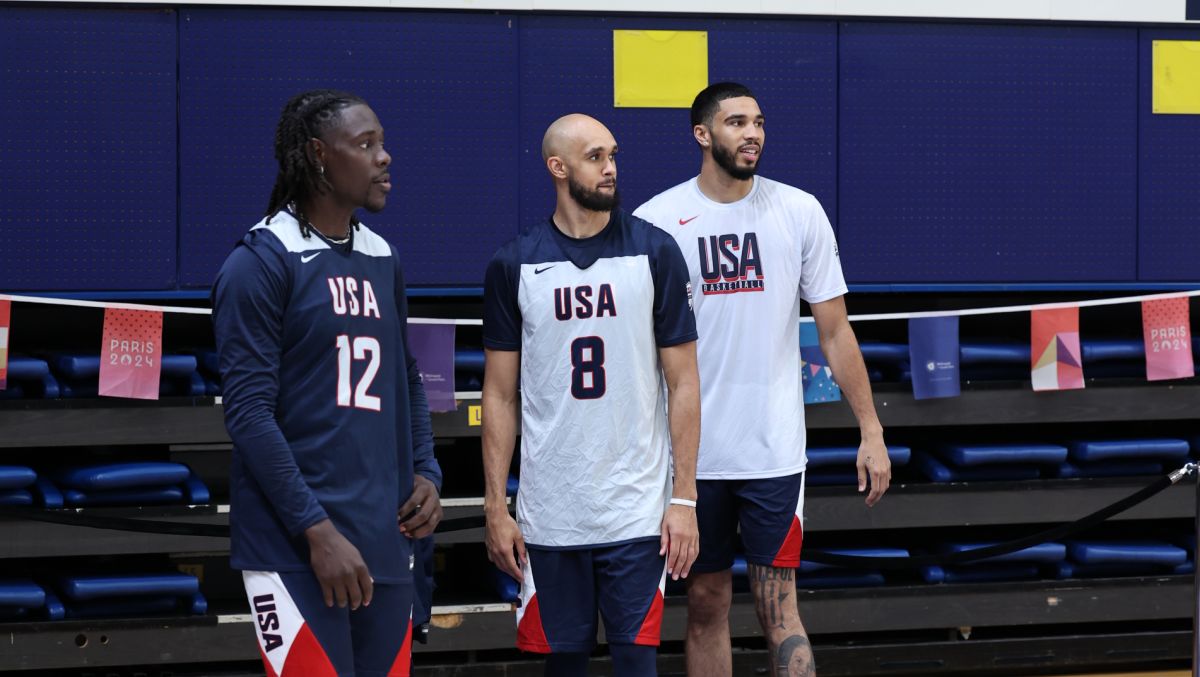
[1168, 179]
[987, 153]
[442, 84]
[566, 66]
[87, 169]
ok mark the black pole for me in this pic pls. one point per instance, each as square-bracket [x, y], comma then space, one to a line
[1196, 585]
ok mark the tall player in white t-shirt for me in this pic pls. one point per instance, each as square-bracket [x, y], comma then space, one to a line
[588, 312]
[755, 248]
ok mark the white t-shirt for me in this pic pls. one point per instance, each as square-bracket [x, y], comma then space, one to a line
[751, 262]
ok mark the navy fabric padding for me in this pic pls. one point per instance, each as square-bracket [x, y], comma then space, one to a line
[1126, 552]
[212, 388]
[983, 573]
[122, 475]
[1075, 570]
[21, 368]
[16, 497]
[199, 605]
[16, 476]
[136, 496]
[842, 578]
[196, 491]
[127, 607]
[54, 610]
[21, 593]
[1107, 450]
[823, 457]
[511, 486]
[1042, 552]
[940, 472]
[994, 353]
[811, 567]
[44, 387]
[88, 366]
[888, 353]
[468, 360]
[1108, 469]
[1185, 568]
[1104, 350]
[506, 587]
[970, 455]
[84, 588]
[47, 494]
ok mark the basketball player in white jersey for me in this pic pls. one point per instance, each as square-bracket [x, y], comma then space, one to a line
[589, 313]
[755, 248]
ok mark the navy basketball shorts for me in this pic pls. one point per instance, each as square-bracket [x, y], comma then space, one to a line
[564, 589]
[769, 512]
[299, 636]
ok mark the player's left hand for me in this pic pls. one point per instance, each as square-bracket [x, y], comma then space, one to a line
[680, 540]
[423, 508]
[873, 461]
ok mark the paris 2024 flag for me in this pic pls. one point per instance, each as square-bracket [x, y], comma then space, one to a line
[129, 357]
[1057, 363]
[1168, 338]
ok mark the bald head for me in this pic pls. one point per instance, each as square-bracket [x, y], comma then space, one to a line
[573, 133]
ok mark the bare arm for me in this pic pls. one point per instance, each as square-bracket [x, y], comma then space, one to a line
[840, 347]
[506, 546]
[680, 535]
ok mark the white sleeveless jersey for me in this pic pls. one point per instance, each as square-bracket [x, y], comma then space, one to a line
[751, 262]
[588, 317]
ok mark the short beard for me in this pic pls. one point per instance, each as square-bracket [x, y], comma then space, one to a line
[593, 200]
[727, 160]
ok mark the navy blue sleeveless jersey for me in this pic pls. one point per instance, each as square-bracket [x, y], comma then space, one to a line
[322, 399]
[588, 316]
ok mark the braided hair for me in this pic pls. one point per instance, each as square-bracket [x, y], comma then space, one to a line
[305, 116]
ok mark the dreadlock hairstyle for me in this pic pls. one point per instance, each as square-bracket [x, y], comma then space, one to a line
[305, 116]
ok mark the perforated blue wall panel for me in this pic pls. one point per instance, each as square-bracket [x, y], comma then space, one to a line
[443, 85]
[988, 153]
[566, 66]
[1168, 180]
[87, 166]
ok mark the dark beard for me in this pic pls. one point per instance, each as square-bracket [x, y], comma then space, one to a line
[727, 160]
[593, 200]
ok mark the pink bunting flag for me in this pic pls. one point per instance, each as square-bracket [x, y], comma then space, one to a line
[1055, 353]
[1167, 332]
[129, 358]
[5, 314]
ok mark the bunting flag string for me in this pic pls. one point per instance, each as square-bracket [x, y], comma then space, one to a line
[130, 364]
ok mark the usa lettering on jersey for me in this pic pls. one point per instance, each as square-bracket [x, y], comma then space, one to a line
[578, 303]
[727, 263]
[346, 297]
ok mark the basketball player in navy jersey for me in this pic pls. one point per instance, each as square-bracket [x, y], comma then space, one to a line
[590, 310]
[333, 470]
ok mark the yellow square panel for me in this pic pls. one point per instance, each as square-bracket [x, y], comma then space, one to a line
[1176, 76]
[659, 69]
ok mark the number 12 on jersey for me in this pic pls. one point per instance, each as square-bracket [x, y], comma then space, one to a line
[587, 368]
[361, 347]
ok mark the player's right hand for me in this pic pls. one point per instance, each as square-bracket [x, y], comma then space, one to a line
[505, 544]
[339, 567]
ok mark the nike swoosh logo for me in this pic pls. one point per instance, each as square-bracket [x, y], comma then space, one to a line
[684, 222]
[539, 271]
[310, 257]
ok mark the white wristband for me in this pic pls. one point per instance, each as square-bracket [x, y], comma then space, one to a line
[683, 501]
